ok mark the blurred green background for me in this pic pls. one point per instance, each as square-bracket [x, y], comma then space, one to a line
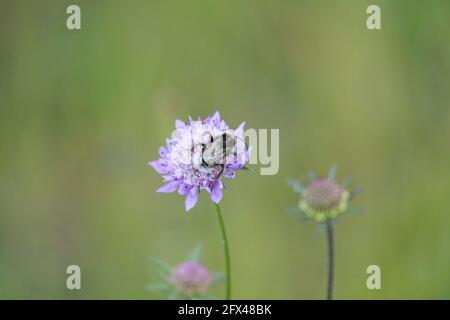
[82, 112]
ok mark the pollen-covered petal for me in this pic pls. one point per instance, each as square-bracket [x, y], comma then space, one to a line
[191, 199]
[216, 191]
[169, 187]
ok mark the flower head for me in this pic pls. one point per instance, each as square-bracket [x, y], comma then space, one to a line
[198, 155]
[187, 280]
[322, 198]
[323, 194]
[191, 278]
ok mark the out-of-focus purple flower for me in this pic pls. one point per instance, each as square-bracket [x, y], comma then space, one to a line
[191, 278]
[324, 198]
[182, 161]
[323, 194]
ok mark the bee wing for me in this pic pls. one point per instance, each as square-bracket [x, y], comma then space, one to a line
[214, 152]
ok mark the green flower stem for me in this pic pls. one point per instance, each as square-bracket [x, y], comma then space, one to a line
[227, 254]
[330, 241]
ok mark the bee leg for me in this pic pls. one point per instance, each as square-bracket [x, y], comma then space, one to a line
[222, 168]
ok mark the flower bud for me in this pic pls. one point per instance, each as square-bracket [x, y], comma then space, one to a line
[191, 278]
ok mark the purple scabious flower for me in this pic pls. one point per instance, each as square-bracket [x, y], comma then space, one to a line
[182, 162]
[191, 278]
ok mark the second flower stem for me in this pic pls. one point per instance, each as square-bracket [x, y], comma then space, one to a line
[330, 242]
[227, 254]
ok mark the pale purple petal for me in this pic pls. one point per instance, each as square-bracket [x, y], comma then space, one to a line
[160, 166]
[248, 153]
[169, 187]
[184, 189]
[216, 191]
[179, 124]
[191, 199]
[167, 178]
[240, 130]
[215, 120]
[163, 152]
[229, 174]
[223, 125]
[235, 166]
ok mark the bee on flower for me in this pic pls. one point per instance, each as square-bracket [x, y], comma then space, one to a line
[198, 155]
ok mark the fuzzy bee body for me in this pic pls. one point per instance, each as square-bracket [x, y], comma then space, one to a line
[215, 152]
[212, 153]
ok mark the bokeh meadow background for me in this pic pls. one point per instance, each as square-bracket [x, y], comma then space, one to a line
[82, 112]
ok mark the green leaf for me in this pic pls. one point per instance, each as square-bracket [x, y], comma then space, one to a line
[196, 253]
[347, 182]
[311, 175]
[303, 218]
[219, 278]
[162, 268]
[332, 172]
[158, 287]
[297, 212]
[174, 295]
[161, 264]
[356, 211]
[293, 210]
[355, 192]
[295, 185]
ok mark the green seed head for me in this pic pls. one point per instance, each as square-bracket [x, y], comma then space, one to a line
[324, 199]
